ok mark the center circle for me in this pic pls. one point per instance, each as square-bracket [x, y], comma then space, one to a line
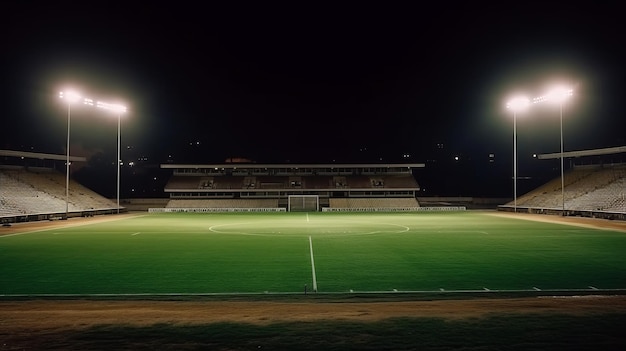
[327, 228]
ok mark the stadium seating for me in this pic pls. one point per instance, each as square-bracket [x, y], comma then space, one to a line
[373, 203]
[387, 186]
[586, 189]
[43, 191]
[222, 203]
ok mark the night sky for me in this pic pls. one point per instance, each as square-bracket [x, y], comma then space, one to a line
[312, 82]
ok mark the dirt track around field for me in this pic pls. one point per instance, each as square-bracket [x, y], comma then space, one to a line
[31, 227]
[595, 223]
[41, 315]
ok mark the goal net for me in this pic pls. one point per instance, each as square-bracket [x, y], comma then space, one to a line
[303, 203]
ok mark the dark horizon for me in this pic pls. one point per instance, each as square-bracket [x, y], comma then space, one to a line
[316, 85]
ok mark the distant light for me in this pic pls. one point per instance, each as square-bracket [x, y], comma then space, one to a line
[518, 103]
[87, 101]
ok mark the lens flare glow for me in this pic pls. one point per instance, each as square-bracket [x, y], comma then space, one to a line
[557, 94]
[111, 107]
[518, 103]
[69, 96]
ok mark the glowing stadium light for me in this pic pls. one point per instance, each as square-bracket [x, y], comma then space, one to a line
[112, 107]
[557, 94]
[518, 103]
[71, 97]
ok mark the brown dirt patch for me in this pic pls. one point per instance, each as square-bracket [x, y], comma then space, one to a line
[59, 315]
[38, 324]
[596, 223]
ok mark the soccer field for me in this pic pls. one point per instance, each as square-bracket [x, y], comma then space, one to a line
[276, 253]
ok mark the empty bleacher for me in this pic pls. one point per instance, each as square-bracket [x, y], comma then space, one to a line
[222, 203]
[43, 191]
[586, 189]
[371, 203]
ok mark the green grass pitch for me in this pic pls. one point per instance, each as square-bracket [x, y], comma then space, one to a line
[230, 253]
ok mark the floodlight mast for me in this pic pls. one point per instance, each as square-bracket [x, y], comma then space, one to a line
[558, 94]
[119, 109]
[516, 104]
[70, 97]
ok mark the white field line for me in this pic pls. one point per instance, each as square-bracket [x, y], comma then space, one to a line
[313, 265]
[542, 293]
[133, 234]
[307, 217]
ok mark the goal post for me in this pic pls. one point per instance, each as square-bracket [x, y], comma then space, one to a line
[303, 203]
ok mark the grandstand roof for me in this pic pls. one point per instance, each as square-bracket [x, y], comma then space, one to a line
[295, 165]
[41, 156]
[581, 153]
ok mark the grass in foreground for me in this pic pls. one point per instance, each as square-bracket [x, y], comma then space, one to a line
[190, 253]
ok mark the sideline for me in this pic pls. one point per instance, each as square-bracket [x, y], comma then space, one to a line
[586, 222]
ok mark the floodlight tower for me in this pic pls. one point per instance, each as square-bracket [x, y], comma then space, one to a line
[516, 104]
[118, 109]
[558, 94]
[70, 97]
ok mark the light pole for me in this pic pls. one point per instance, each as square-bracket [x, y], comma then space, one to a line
[559, 94]
[70, 97]
[119, 109]
[516, 104]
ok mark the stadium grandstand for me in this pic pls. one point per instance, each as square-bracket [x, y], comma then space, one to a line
[293, 187]
[595, 186]
[32, 189]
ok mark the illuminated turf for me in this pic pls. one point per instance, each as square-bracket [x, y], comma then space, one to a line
[188, 253]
